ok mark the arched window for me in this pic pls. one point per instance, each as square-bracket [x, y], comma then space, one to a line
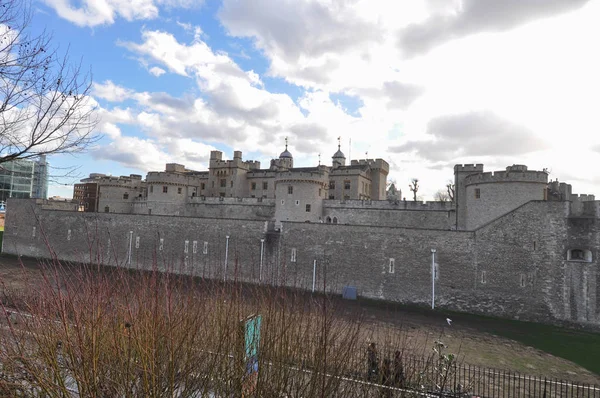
[335, 220]
[579, 255]
[328, 220]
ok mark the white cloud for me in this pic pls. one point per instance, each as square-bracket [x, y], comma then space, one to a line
[156, 71]
[104, 12]
[110, 91]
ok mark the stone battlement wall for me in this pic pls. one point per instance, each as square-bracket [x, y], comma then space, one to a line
[161, 177]
[389, 205]
[475, 168]
[511, 267]
[507, 176]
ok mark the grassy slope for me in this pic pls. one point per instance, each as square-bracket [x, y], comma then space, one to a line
[578, 346]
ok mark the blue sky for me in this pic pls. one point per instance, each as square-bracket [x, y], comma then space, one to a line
[423, 84]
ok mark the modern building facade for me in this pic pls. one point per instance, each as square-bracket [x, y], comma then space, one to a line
[24, 179]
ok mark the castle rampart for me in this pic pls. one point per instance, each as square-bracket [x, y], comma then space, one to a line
[515, 266]
[507, 176]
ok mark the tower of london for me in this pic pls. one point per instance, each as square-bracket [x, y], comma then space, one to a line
[511, 243]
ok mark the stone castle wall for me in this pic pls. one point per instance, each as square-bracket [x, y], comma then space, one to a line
[432, 215]
[514, 266]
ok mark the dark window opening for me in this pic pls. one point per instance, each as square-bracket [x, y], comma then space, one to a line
[290, 190]
[223, 183]
[179, 190]
[253, 186]
[265, 185]
[477, 193]
[346, 184]
[165, 189]
[308, 208]
[125, 196]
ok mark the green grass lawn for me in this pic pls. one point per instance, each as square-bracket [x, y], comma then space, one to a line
[578, 346]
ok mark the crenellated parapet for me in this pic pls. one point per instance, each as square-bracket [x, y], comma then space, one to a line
[167, 178]
[507, 176]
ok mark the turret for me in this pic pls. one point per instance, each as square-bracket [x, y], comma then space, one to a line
[461, 171]
[338, 158]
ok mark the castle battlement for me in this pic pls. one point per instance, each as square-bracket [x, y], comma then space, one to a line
[373, 163]
[583, 197]
[507, 176]
[475, 168]
[163, 177]
[389, 205]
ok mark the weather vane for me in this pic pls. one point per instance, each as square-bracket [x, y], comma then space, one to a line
[339, 142]
[286, 140]
[319, 159]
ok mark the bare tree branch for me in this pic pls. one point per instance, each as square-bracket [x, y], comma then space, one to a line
[45, 105]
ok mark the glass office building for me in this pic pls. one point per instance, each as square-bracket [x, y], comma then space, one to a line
[24, 179]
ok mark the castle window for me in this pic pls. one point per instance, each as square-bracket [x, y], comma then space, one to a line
[523, 280]
[137, 242]
[290, 190]
[223, 183]
[297, 203]
[265, 185]
[202, 186]
[195, 247]
[151, 188]
[335, 220]
[347, 184]
[106, 209]
[331, 184]
[282, 202]
[308, 208]
[231, 184]
[293, 257]
[253, 186]
[179, 190]
[331, 196]
[186, 246]
[205, 248]
[161, 244]
[579, 255]
[125, 196]
[392, 266]
[477, 193]
[165, 189]
[483, 277]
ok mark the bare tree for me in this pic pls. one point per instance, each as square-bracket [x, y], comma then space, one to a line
[442, 196]
[414, 187]
[450, 190]
[45, 106]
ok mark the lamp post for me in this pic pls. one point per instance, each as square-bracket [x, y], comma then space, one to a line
[262, 250]
[129, 253]
[314, 274]
[433, 278]
[226, 255]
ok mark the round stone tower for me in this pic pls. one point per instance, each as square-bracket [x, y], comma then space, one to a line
[299, 194]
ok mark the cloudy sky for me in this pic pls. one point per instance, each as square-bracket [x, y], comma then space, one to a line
[423, 84]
